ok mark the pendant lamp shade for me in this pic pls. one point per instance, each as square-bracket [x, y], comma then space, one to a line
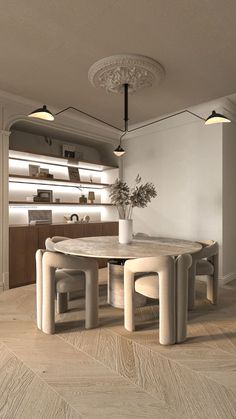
[216, 118]
[42, 113]
[119, 151]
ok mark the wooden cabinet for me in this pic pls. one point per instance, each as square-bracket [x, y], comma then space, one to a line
[23, 243]
[44, 231]
[25, 240]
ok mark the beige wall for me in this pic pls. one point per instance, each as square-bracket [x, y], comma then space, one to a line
[229, 200]
[185, 164]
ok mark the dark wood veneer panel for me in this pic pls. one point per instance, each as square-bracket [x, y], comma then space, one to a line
[23, 243]
[25, 240]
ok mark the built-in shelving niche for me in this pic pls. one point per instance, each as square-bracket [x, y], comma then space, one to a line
[94, 176]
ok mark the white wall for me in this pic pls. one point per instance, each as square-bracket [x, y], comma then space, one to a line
[229, 201]
[184, 162]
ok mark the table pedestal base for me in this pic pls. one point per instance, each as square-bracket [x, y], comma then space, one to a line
[115, 287]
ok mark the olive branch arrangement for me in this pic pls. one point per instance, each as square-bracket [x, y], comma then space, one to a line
[125, 198]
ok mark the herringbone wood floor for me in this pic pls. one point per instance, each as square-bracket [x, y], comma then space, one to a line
[111, 373]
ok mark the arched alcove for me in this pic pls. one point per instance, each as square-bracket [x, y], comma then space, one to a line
[41, 136]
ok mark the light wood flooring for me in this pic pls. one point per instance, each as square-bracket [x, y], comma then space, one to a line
[111, 373]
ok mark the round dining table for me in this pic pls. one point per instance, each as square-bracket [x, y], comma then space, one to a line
[109, 247]
[172, 304]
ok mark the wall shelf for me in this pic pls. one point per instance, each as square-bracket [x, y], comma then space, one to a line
[56, 182]
[59, 161]
[29, 204]
[23, 185]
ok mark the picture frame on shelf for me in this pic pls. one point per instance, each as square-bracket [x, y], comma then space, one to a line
[40, 216]
[33, 170]
[73, 173]
[68, 151]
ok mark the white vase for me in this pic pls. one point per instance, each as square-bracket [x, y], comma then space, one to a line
[125, 231]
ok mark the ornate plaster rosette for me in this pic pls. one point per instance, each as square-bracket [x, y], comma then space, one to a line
[111, 73]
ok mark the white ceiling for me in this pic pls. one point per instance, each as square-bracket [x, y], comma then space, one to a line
[47, 48]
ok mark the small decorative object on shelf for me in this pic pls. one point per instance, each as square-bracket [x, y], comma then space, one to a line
[72, 219]
[126, 198]
[44, 174]
[73, 173]
[57, 200]
[91, 178]
[43, 196]
[86, 218]
[33, 170]
[91, 197]
[83, 199]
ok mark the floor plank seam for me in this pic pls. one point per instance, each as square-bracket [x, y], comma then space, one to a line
[172, 360]
[204, 360]
[186, 368]
[173, 411]
[41, 379]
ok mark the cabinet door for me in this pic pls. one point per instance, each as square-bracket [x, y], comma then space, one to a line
[23, 243]
[110, 229]
[74, 230]
[93, 229]
[45, 231]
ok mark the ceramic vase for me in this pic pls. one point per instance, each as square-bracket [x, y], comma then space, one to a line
[125, 231]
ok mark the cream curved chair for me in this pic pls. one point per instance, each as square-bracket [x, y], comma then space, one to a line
[205, 262]
[162, 287]
[169, 284]
[67, 281]
[47, 262]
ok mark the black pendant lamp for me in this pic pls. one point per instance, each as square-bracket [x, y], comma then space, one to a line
[42, 113]
[216, 118]
[119, 151]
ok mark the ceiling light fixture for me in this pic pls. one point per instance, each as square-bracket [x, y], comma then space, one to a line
[216, 118]
[126, 74]
[42, 113]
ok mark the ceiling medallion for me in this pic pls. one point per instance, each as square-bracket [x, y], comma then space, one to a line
[111, 73]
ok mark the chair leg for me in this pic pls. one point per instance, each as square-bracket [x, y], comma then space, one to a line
[182, 264]
[91, 297]
[213, 282]
[191, 286]
[62, 302]
[167, 312]
[39, 258]
[129, 301]
[48, 314]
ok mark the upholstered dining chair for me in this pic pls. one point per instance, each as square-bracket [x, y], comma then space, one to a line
[47, 263]
[205, 262]
[153, 286]
[169, 284]
[67, 281]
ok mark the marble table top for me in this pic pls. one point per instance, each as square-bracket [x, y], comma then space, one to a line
[110, 248]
